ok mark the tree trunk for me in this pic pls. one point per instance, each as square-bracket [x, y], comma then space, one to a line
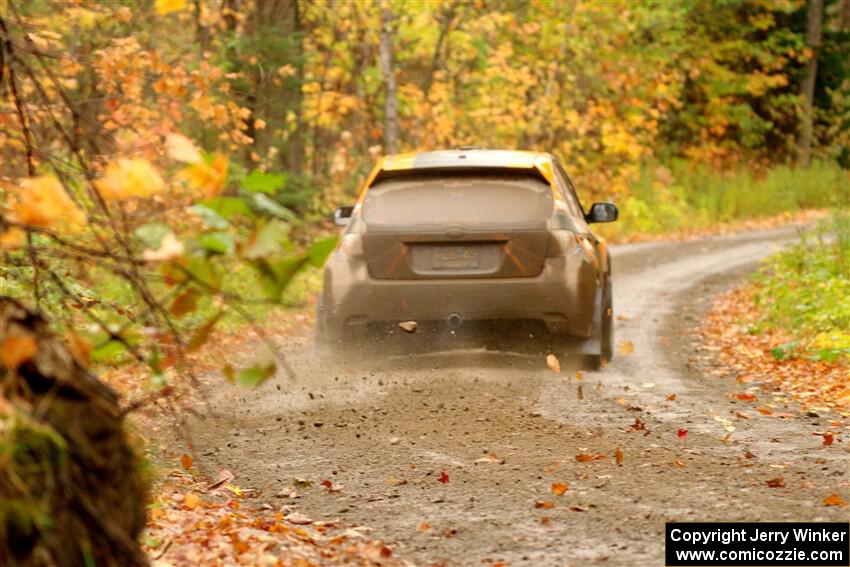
[71, 492]
[814, 26]
[391, 89]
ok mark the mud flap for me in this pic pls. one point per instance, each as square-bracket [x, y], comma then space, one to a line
[593, 344]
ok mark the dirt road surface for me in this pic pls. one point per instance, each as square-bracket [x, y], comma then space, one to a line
[387, 431]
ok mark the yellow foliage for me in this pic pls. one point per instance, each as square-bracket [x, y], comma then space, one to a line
[12, 239]
[165, 7]
[128, 178]
[207, 178]
[43, 202]
[180, 148]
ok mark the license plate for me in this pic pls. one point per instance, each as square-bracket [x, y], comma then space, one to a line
[454, 257]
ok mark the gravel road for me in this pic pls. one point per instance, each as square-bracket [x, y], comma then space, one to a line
[501, 428]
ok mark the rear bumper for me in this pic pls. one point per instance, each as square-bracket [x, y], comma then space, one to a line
[562, 296]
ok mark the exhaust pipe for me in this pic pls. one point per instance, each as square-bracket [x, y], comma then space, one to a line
[454, 321]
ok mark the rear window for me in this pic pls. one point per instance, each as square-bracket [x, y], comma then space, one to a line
[458, 200]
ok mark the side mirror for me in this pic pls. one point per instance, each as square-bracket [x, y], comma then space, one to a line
[602, 212]
[342, 215]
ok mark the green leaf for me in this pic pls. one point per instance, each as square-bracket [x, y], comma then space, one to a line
[109, 352]
[321, 249]
[202, 333]
[270, 207]
[228, 207]
[151, 234]
[266, 240]
[203, 272]
[217, 242]
[259, 182]
[256, 374]
[209, 217]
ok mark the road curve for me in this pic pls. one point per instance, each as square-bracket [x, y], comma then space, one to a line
[389, 430]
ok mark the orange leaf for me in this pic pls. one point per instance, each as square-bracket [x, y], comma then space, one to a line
[777, 482]
[584, 457]
[79, 347]
[834, 500]
[746, 397]
[16, 350]
[671, 398]
[627, 347]
[679, 463]
[558, 488]
[186, 461]
[764, 411]
[828, 438]
[184, 303]
[424, 526]
[191, 500]
[618, 456]
[545, 505]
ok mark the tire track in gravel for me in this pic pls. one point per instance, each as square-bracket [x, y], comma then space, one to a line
[448, 411]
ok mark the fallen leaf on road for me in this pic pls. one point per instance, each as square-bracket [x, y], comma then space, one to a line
[444, 478]
[741, 415]
[332, 488]
[424, 526]
[638, 425]
[298, 519]
[627, 347]
[558, 488]
[749, 455]
[584, 457]
[579, 375]
[682, 433]
[578, 509]
[834, 500]
[777, 482]
[492, 458]
[828, 438]
[224, 476]
[395, 441]
[544, 520]
[544, 505]
[671, 398]
[746, 397]
[618, 456]
[764, 411]
[679, 463]
[553, 363]
[191, 500]
[186, 461]
[408, 326]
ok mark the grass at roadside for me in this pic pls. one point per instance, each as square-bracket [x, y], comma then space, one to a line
[689, 197]
[789, 327]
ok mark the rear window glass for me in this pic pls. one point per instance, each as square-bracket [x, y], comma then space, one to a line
[468, 200]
